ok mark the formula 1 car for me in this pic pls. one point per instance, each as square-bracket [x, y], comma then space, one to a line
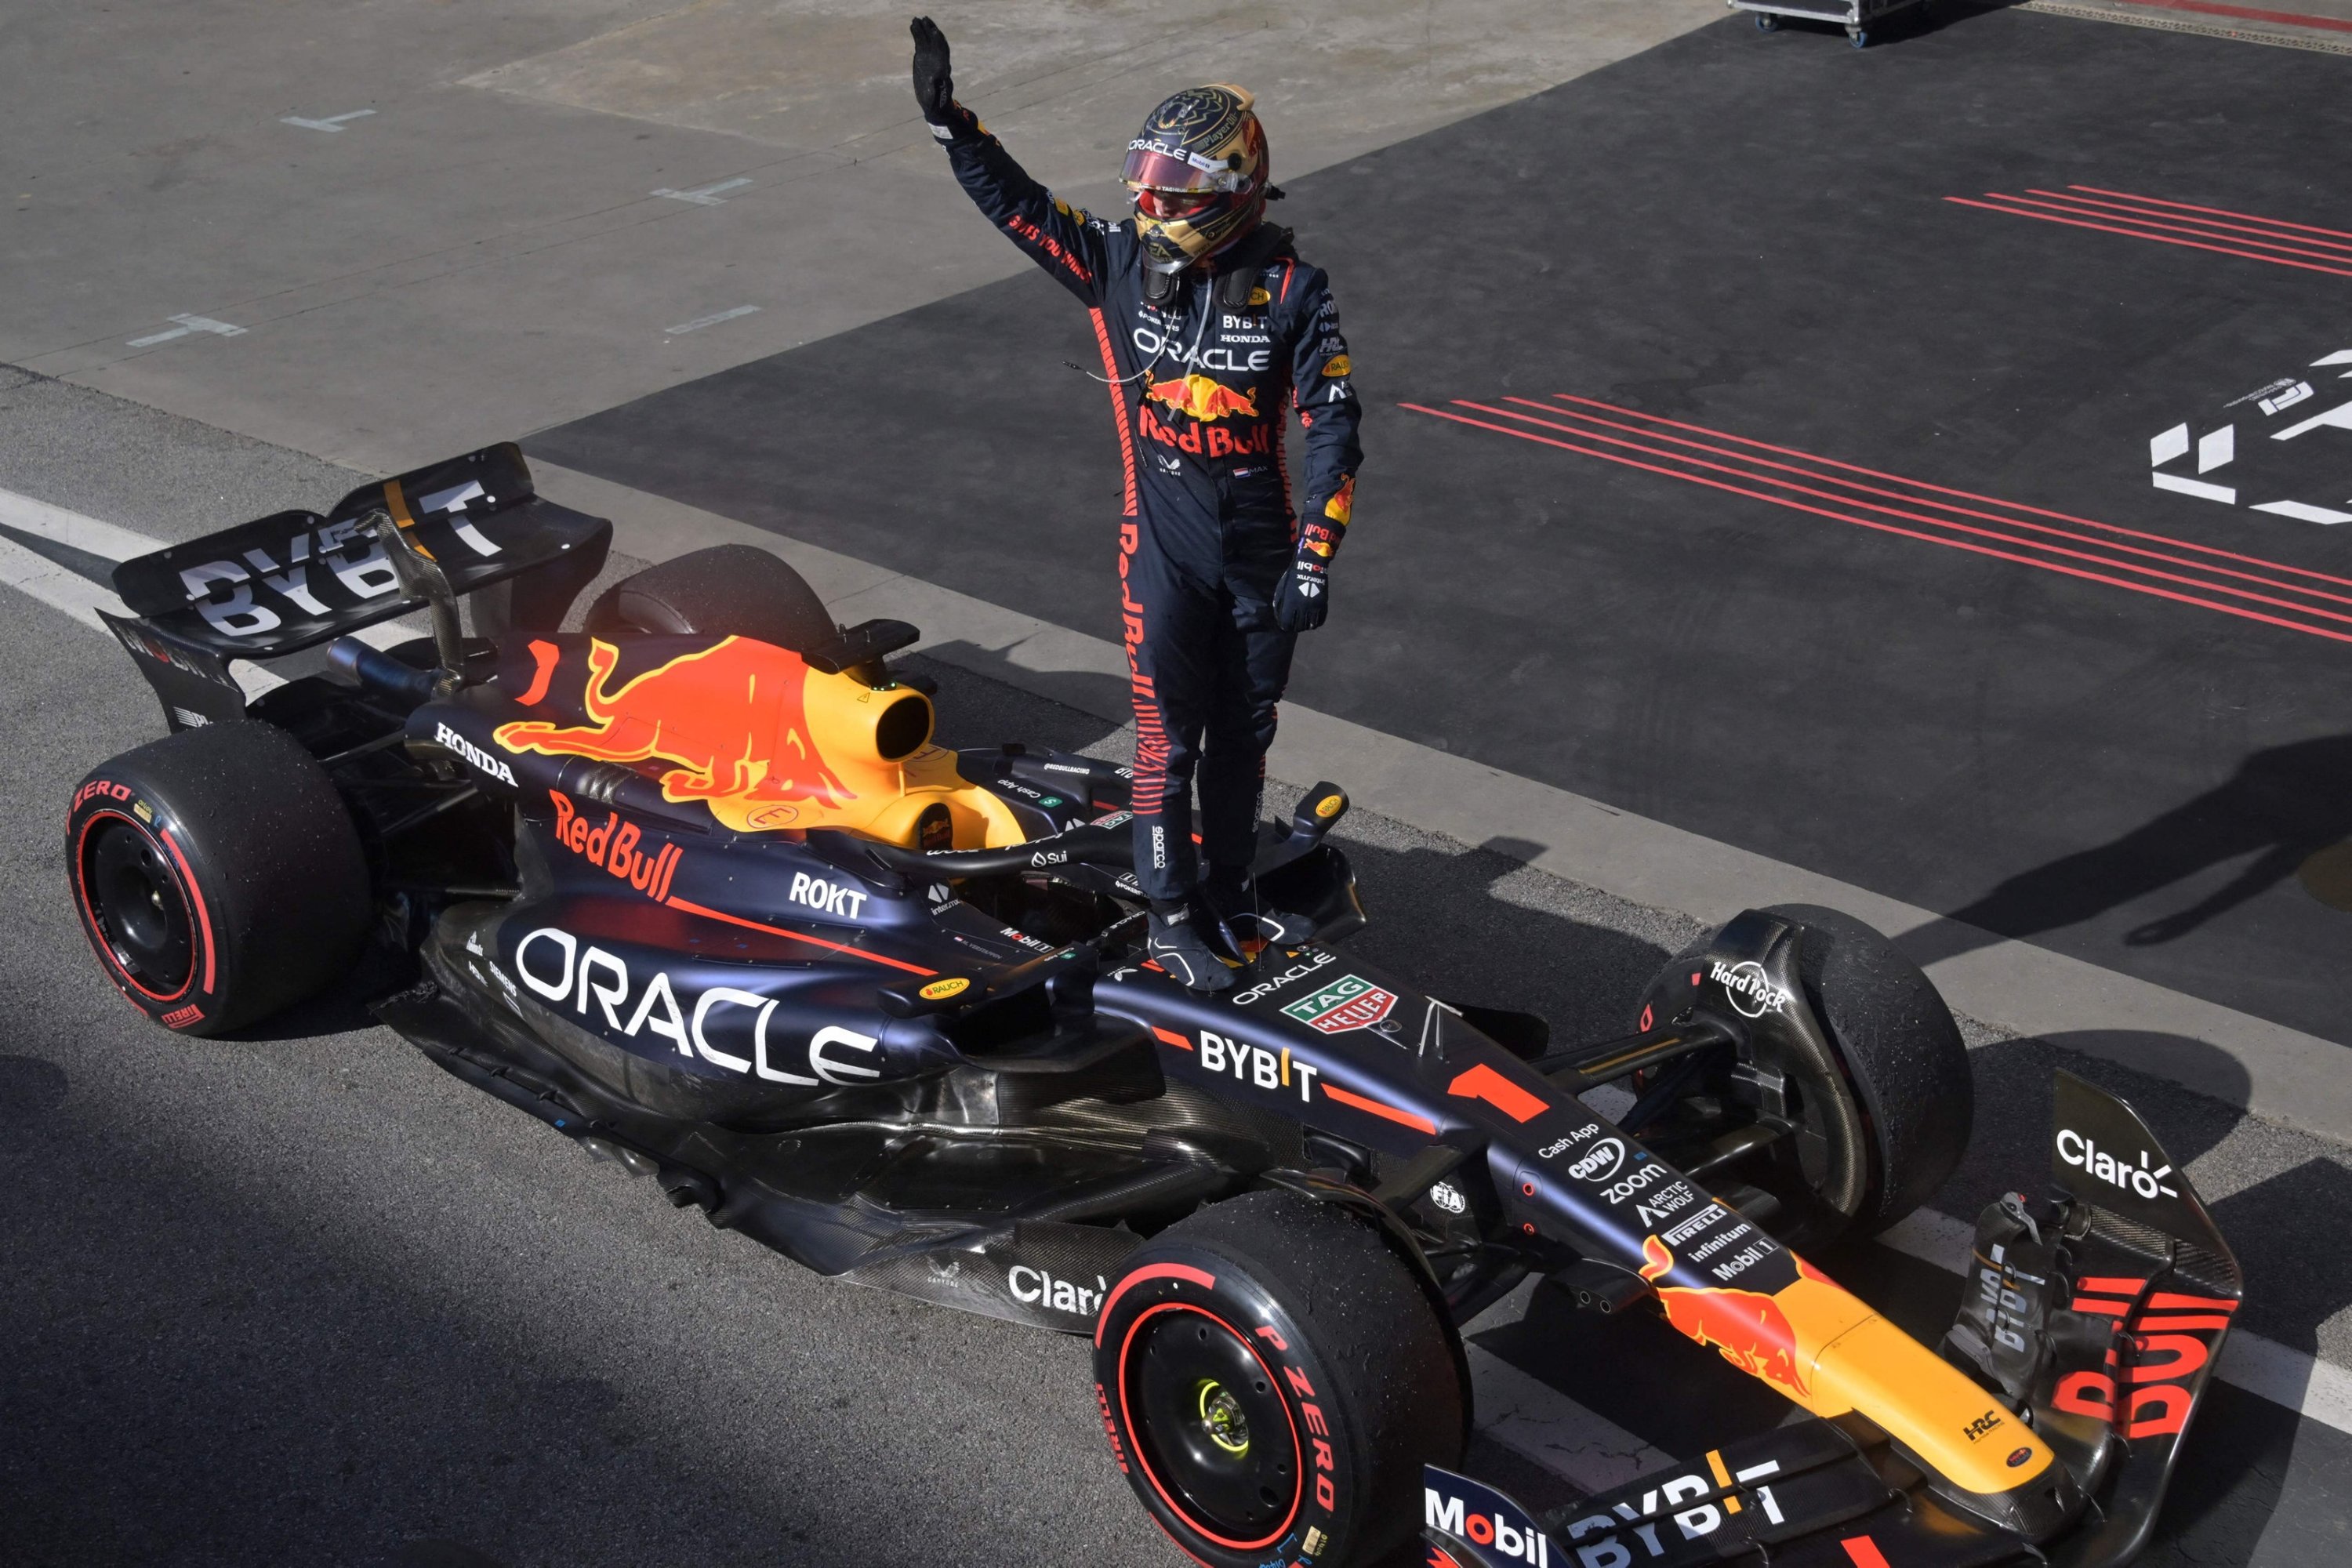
[695, 888]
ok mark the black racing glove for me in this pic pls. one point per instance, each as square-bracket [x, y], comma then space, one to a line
[934, 85]
[1303, 598]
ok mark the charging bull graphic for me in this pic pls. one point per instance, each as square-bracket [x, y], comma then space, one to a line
[1203, 397]
[732, 717]
[1748, 1327]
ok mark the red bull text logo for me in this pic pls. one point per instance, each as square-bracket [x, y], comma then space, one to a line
[730, 717]
[612, 844]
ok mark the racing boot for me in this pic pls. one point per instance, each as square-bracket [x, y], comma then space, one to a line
[1232, 893]
[1178, 945]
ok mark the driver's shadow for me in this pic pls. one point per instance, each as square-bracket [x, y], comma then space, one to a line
[2289, 807]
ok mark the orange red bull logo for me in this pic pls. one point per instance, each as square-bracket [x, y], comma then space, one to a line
[1747, 1328]
[1203, 397]
[731, 718]
[1342, 504]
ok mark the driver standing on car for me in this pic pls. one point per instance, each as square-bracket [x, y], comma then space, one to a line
[1211, 330]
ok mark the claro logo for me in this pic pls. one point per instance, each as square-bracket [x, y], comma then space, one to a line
[2087, 1157]
[1037, 1286]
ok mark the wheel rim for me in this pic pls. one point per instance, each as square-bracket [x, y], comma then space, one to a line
[139, 909]
[1211, 1426]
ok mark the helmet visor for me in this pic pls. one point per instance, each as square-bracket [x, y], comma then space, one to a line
[1155, 166]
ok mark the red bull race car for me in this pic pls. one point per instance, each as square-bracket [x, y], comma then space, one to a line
[695, 888]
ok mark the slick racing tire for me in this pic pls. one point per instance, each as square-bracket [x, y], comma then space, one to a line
[1903, 1054]
[1905, 1069]
[217, 875]
[1273, 1377]
[728, 588]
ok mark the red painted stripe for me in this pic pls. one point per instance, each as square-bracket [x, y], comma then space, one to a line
[1923, 518]
[694, 908]
[2136, 234]
[2109, 1284]
[2165, 1299]
[1206, 1281]
[2218, 212]
[1864, 1552]
[2165, 1323]
[1172, 1037]
[2082, 207]
[1903, 533]
[1968, 495]
[195, 897]
[2140, 209]
[1375, 1108]
[2100, 1304]
[2246, 14]
[1916, 500]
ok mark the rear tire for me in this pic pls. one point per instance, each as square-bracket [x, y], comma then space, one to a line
[217, 875]
[1273, 1377]
[726, 589]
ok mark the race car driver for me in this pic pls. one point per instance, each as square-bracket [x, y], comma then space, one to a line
[1211, 330]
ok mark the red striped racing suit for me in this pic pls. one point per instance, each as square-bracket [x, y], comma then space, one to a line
[1202, 393]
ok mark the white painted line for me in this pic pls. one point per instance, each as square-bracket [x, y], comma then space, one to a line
[26, 515]
[2197, 488]
[2302, 513]
[331, 122]
[2289, 1077]
[61, 588]
[709, 195]
[699, 322]
[188, 324]
[2315, 1390]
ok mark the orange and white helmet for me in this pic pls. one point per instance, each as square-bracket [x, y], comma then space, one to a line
[1199, 172]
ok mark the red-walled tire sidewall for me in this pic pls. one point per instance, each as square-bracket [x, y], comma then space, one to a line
[1368, 1402]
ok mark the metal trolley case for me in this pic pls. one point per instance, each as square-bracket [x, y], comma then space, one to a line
[1855, 16]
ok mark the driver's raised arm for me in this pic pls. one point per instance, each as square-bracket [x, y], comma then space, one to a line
[1057, 235]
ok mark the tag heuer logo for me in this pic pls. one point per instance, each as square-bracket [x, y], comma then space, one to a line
[1351, 1002]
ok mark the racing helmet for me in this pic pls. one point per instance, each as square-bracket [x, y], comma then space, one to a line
[1198, 169]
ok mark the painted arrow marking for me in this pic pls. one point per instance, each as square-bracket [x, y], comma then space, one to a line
[709, 195]
[331, 122]
[187, 325]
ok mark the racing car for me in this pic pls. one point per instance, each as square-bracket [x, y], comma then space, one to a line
[695, 887]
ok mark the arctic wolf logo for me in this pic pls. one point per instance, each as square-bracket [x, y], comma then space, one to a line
[730, 717]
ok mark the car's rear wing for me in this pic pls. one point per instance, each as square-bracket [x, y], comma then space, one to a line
[295, 579]
[2097, 1314]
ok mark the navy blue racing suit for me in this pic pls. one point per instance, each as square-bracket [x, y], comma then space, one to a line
[1202, 395]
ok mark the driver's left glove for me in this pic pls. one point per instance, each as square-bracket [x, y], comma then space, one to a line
[1302, 600]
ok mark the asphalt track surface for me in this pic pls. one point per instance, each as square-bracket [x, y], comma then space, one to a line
[304, 1298]
[1754, 237]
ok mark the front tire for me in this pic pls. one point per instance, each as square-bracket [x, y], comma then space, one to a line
[217, 875]
[1273, 1377]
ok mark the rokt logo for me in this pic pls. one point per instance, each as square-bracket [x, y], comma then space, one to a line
[826, 898]
[2093, 1161]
